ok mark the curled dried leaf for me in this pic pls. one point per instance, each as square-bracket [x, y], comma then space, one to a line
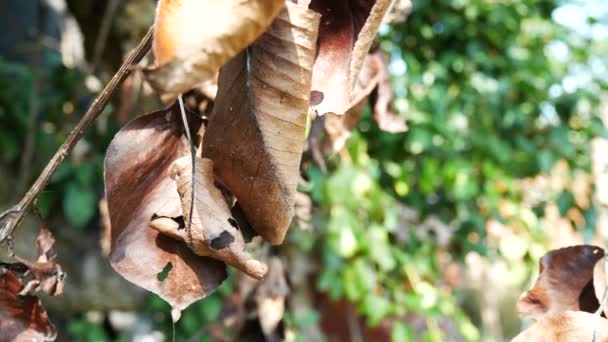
[382, 97]
[270, 298]
[256, 132]
[22, 317]
[47, 274]
[346, 33]
[193, 38]
[600, 282]
[566, 326]
[213, 232]
[564, 283]
[374, 87]
[138, 189]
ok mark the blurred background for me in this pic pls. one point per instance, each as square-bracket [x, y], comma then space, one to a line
[431, 234]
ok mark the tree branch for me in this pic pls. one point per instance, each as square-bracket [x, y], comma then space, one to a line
[13, 216]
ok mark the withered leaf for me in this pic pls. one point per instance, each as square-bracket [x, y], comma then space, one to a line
[193, 38]
[564, 283]
[139, 188]
[256, 132]
[213, 232]
[600, 282]
[382, 98]
[566, 326]
[48, 274]
[346, 33]
[338, 127]
[22, 317]
[270, 298]
[374, 87]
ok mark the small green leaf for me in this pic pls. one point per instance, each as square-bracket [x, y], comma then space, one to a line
[79, 205]
[401, 333]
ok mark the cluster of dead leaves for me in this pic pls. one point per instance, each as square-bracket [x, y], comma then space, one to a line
[568, 299]
[174, 224]
[22, 317]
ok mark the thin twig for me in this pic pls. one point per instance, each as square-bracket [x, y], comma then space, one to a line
[34, 105]
[15, 214]
[192, 156]
[104, 30]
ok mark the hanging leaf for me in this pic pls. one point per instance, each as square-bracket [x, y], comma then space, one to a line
[600, 282]
[256, 132]
[193, 38]
[213, 231]
[22, 317]
[346, 33]
[566, 326]
[382, 98]
[564, 283]
[47, 273]
[338, 128]
[270, 299]
[374, 87]
[138, 189]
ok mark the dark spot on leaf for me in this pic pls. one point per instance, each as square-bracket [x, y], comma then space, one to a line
[222, 241]
[233, 223]
[162, 275]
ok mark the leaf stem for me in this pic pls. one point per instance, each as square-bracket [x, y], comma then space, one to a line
[13, 216]
[192, 155]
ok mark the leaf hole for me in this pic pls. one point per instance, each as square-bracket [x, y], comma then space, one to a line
[162, 275]
[222, 241]
[233, 223]
[316, 97]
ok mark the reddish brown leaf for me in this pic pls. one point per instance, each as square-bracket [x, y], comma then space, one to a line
[256, 132]
[338, 127]
[564, 283]
[22, 317]
[373, 86]
[138, 189]
[47, 273]
[346, 33]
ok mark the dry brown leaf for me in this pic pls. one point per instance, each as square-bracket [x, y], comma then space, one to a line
[374, 87]
[382, 98]
[338, 127]
[256, 132]
[270, 298]
[213, 232]
[600, 282]
[346, 33]
[564, 283]
[22, 317]
[138, 189]
[46, 274]
[566, 326]
[193, 38]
